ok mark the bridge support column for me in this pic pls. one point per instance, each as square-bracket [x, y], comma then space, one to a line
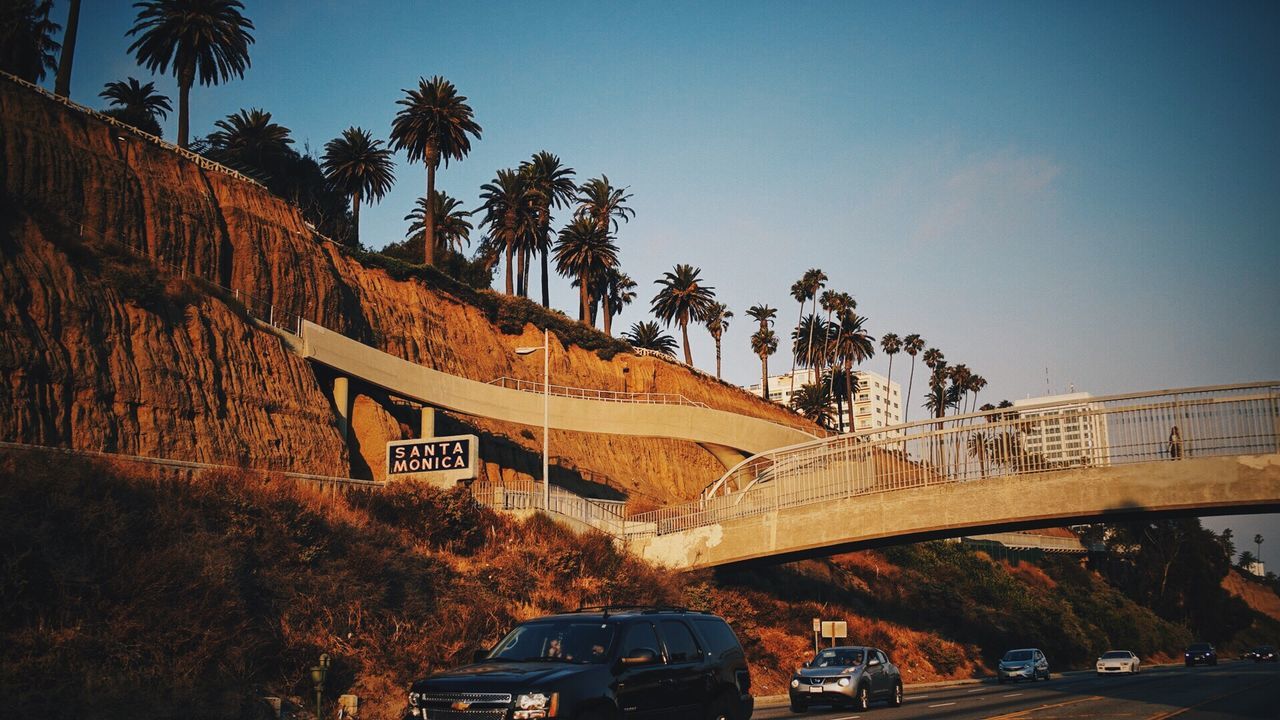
[342, 401]
[427, 428]
[727, 456]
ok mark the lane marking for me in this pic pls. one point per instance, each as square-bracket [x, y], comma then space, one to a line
[1012, 695]
[850, 717]
[974, 691]
[1022, 713]
[1179, 711]
[941, 704]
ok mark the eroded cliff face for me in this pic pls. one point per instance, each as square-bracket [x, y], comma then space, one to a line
[88, 366]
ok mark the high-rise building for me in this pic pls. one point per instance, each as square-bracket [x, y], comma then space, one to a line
[1066, 434]
[870, 409]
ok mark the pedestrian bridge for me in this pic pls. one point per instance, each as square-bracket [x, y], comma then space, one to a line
[1106, 458]
[728, 436]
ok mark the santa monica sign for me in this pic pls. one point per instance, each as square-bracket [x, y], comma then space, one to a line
[441, 458]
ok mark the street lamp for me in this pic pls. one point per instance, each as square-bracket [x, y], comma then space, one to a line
[546, 395]
[318, 675]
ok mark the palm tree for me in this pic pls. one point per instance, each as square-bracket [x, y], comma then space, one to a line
[452, 227]
[360, 168]
[891, 344]
[717, 324]
[647, 335]
[838, 303]
[136, 104]
[814, 279]
[510, 211]
[1257, 540]
[433, 125]
[812, 401]
[604, 203]
[555, 187]
[975, 385]
[856, 345]
[764, 342]
[911, 345]
[683, 299]
[249, 138]
[979, 447]
[26, 39]
[208, 39]
[617, 290]
[802, 351]
[582, 251]
[62, 82]
[762, 314]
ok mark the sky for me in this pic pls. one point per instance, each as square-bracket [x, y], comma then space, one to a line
[1063, 196]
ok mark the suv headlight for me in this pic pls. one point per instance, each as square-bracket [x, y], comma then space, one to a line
[795, 682]
[530, 706]
[843, 682]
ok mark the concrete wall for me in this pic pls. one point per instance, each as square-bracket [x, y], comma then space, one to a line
[1203, 486]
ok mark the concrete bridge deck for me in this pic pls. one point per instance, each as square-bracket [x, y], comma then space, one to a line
[728, 436]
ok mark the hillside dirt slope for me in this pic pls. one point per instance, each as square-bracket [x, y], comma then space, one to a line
[102, 352]
[1258, 596]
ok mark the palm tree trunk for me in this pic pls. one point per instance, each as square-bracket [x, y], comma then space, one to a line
[794, 354]
[184, 108]
[584, 309]
[717, 358]
[684, 334]
[546, 294]
[906, 406]
[355, 219]
[510, 275]
[887, 383]
[608, 315]
[814, 315]
[522, 258]
[62, 85]
[429, 217]
[764, 376]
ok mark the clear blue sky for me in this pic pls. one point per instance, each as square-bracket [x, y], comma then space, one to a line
[1089, 187]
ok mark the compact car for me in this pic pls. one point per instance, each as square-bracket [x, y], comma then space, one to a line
[1022, 664]
[850, 676]
[1200, 654]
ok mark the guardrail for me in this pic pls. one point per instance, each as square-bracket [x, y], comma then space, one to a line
[1095, 432]
[531, 386]
[196, 158]
[607, 516]
[1030, 541]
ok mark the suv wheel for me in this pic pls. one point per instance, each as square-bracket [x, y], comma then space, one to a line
[862, 700]
[896, 699]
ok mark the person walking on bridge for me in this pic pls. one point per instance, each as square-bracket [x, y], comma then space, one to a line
[1175, 444]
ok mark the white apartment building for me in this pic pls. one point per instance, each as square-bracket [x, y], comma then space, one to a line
[869, 405]
[1066, 435]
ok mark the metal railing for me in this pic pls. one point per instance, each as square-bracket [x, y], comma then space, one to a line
[608, 516]
[1026, 440]
[1031, 541]
[531, 386]
[196, 158]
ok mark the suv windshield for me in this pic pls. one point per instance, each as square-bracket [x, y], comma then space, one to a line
[1200, 647]
[558, 640]
[1015, 655]
[837, 658]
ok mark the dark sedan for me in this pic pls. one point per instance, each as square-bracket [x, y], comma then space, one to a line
[1262, 653]
[1200, 654]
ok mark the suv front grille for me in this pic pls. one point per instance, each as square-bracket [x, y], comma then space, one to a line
[465, 706]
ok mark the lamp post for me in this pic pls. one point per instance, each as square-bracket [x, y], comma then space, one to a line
[546, 396]
[318, 675]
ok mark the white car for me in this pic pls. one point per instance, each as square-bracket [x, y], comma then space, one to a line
[1118, 661]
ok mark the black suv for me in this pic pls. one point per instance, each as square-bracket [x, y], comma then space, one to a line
[599, 663]
[1198, 653]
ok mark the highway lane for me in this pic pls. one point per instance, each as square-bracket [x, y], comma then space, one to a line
[1231, 690]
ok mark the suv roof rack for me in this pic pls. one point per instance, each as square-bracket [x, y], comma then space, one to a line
[606, 609]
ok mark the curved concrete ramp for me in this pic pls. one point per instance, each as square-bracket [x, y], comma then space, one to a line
[1205, 486]
[716, 430]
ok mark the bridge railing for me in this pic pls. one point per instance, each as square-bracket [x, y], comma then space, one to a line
[593, 394]
[604, 515]
[1022, 441]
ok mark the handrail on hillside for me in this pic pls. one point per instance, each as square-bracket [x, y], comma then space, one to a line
[593, 394]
